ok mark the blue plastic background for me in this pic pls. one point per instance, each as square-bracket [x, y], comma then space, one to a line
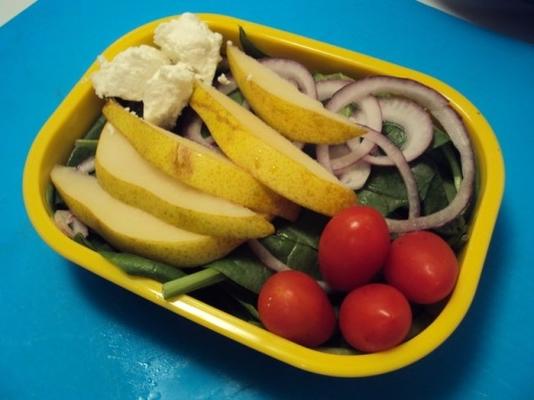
[65, 333]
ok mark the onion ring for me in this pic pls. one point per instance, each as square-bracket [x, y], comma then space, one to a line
[293, 71]
[417, 126]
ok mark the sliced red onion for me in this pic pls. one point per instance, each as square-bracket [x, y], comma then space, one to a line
[338, 150]
[416, 123]
[293, 71]
[374, 85]
[69, 224]
[87, 166]
[356, 175]
[397, 157]
[453, 125]
[271, 261]
[439, 107]
[322, 153]
[370, 115]
[193, 131]
[266, 257]
[326, 88]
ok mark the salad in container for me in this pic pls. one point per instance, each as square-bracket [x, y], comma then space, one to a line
[321, 206]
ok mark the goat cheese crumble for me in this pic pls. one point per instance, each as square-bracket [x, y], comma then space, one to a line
[167, 93]
[189, 40]
[126, 75]
[162, 79]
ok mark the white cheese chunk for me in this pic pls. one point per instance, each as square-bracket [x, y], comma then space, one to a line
[166, 94]
[189, 40]
[223, 80]
[126, 75]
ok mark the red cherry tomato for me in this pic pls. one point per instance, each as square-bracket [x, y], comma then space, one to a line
[422, 266]
[353, 247]
[375, 317]
[293, 305]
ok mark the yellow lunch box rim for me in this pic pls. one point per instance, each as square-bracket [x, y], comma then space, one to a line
[491, 172]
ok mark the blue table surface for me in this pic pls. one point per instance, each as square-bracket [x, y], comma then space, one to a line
[65, 333]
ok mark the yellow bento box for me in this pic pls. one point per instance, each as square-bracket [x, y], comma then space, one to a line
[81, 107]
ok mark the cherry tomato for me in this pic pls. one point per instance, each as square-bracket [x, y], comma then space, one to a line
[375, 317]
[353, 247]
[422, 266]
[291, 304]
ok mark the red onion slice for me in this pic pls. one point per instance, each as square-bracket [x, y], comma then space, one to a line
[326, 88]
[398, 159]
[87, 166]
[439, 107]
[271, 261]
[69, 224]
[293, 71]
[455, 128]
[416, 123]
[193, 131]
[356, 175]
[370, 115]
[266, 257]
[322, 153]
[374, 85]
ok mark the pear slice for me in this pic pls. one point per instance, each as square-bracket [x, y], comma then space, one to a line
[280, 104]
[195, 165]
[127, 176]
[267, 155]
[131, 229]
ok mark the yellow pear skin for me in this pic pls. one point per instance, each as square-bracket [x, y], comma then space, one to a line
[127, 176]
[282, 106]
[197, 166]
[133, 230]
[267, 155]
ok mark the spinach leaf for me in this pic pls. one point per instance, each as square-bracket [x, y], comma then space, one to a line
[455, 169]
[130, 263]
[94, 242]
[346, 111]
[295, 255]
[140, 266]
[305, 230]
[245, 300]
[204, 131]
[242, 268]
[248, 46]
[54, 200]
[94, 132]
[237, 96]
[50, 198]
[440, 194]
[386, 205]
[385, 189]
[83, 149]
[395, 133]
[250, 308]
[440, 138]
[295, 244]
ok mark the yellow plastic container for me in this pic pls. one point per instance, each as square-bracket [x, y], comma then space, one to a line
[81, 107]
